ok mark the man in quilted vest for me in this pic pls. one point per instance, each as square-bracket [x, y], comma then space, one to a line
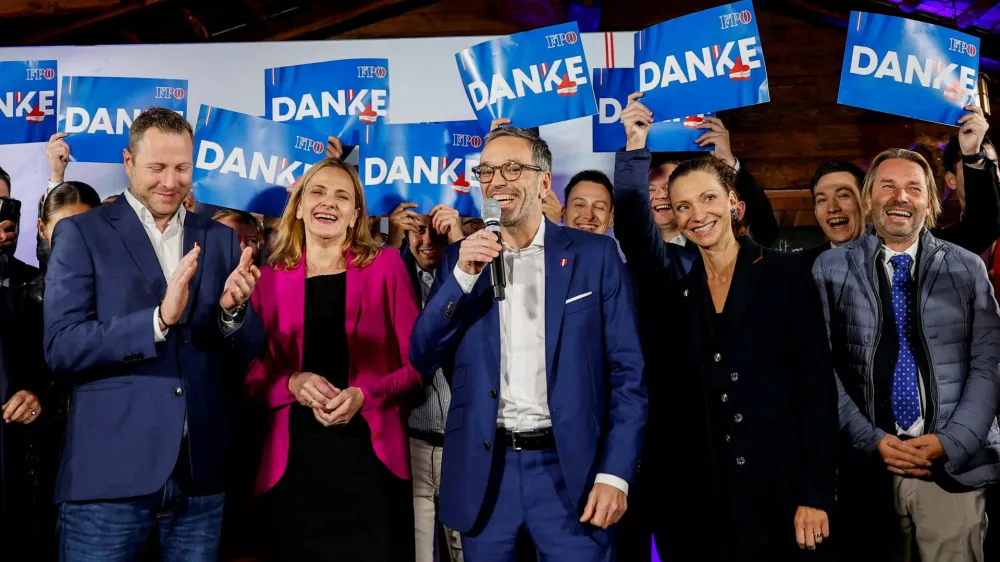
[915, 332]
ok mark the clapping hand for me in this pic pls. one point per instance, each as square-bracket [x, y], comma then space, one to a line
[176, 299]
[241, 283]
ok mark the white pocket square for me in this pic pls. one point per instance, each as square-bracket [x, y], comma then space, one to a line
[578, 297]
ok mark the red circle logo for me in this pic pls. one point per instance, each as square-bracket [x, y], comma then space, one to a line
[49, 73]
[319, 147]
[476, 141]
[971, 49]
[380, 71]
[572, 37]
[178, 93]
[746, 17]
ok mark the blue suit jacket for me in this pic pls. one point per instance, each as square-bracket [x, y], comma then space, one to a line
[596, 393]
[130, 394]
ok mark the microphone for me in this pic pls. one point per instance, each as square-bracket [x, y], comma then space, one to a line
[491, 218]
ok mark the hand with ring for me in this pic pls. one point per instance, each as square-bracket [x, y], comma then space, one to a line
[811, 527]
[311, 390]
[23, 407]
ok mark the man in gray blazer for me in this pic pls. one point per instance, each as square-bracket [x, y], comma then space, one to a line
[915, 332]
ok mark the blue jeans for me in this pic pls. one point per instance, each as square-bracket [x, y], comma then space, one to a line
[104, 531]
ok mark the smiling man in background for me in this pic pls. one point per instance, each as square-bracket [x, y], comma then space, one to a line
[589, 202]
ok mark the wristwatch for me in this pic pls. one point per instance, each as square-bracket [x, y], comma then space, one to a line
[974, 158]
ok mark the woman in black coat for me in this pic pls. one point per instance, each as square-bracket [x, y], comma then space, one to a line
[35, 405]
[738, 462]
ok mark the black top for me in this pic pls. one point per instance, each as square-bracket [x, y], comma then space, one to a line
[336, 500]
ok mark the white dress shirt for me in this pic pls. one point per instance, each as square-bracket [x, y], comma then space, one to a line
[917, 429]
[679, 240]
[524, 404]
[168, 245]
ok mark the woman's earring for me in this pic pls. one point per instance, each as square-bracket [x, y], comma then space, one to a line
[732, 212]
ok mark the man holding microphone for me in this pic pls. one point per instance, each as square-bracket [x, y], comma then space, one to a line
[548, 400]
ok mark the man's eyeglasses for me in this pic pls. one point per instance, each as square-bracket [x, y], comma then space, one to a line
[509, 170]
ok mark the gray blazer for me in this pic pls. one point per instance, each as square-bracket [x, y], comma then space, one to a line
[960, 327]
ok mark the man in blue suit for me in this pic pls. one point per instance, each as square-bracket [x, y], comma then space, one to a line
[548, 400]
[145, 303]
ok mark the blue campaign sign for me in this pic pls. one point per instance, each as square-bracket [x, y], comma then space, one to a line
[246, 162]
[338, 98]
[706, 61]
[27, 101]
[908, 68]
[97, 112]
[532, 78]
[423, 163]
[613, 87]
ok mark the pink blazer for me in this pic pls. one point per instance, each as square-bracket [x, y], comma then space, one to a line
[381, 309]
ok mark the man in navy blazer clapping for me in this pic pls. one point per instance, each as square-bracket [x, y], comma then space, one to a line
[144, 304]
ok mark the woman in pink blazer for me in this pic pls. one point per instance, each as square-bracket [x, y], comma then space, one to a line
[334, 376]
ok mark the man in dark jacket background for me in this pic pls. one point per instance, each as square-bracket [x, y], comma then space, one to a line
[915, 332]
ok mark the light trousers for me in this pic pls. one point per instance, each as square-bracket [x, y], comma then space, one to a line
[426, 466]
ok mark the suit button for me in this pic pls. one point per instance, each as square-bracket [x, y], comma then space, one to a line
[448, 310]
[725, 398]
[182, 341]
[740, 461]
[486, 445]
[178, 391]
[718, 357]
[493, 393]
[738, 418]
[728, 438]
[377, 435]
[734, 377]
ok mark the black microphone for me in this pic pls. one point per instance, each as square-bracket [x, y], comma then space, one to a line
[491, 218]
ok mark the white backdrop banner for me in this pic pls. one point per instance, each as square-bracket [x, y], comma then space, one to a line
[424, 81]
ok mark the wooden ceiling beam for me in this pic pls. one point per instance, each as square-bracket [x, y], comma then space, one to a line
[973, 12]
[255, 9]
[124, 7]
[320, 17]
[22, 8]
[195, 24]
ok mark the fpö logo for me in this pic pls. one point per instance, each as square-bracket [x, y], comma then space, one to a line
[40, 73]
[475, 141]
[735, 19]
[561, 39]
[306, 143]
[372, 72]
[959, 46]
[168, 93]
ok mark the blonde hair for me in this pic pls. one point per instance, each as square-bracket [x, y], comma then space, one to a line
[933, 202]
[291, 236]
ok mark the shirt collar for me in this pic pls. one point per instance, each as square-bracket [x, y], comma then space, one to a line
[911, 251]
[538, 242]
[422, 272]
[146, 217]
